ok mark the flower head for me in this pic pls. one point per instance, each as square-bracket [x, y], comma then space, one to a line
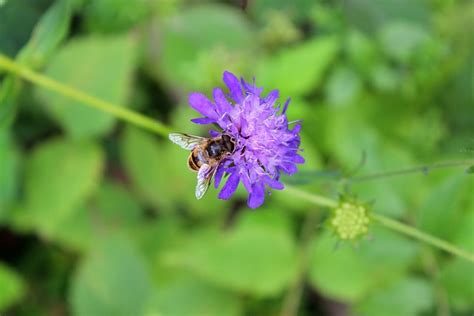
[350, 219]
[264, 143]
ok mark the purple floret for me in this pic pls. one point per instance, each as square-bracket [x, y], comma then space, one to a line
[265, 145]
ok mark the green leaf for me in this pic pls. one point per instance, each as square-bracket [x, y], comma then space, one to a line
[400, 40]
[12, 287]
[387, 79]
[348, 146]
[457, 277]
[9, 172]
[156, 238]
[278, 30]
[112, 16]
[100, 66]
[372, 15]
[48, 33]
[441, 211]
[111, 280]
[185, 57]
[391, 195]
[116, 205]
[297, 10]
[299, 70]
[407, 297]
[255, 257]
[8, 94]
[343, 86]
[79, 230]
[424, 133]
[201, 299]
[464, 236]
[202, 20]
[111, 210]
[161, 176]
[17, 20]
[144, 160]
[362, 51]
[60, 175]
[348, 274]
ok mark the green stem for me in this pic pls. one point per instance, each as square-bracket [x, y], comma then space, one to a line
[389, 223]
[419, 169]
[161, 129]
[53, 85]
[310, 197]
[417, 234]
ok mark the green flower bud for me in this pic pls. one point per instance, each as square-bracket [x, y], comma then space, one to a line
[350, 220]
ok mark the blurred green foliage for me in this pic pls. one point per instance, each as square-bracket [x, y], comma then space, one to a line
[99, 218]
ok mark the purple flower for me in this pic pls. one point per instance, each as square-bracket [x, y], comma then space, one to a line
[264, 143]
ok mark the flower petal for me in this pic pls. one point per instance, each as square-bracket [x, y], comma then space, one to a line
[246, 181]
[221, 170]
[251, 88]
[201, 103]
[203, 120]
[289, 167]
[218, 176]
[230, 186]
[244, 128]
[234, 86]
[297, 128]
[257, 196]
[285, 106]
[223, 106]
[272, 97]
[297, 159]
[214, 133]
[274, 184]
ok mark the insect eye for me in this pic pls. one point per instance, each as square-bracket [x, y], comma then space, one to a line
[214, 149]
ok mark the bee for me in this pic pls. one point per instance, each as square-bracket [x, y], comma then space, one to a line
[205, 157]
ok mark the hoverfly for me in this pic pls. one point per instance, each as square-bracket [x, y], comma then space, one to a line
[206, 155]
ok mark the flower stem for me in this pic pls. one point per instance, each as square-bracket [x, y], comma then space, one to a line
[389, 223]
[91, 101]
[310, 197]
[417, 234]
[419, 169]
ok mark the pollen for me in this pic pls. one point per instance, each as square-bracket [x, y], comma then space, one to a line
[350, 220]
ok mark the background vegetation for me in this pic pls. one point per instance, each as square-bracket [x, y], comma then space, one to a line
[98, 217]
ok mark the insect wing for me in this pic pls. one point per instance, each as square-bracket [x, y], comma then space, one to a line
[204, 177]
[186, 141]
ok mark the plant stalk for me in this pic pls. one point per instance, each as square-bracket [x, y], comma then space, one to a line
[422, 236]
[88, 100]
